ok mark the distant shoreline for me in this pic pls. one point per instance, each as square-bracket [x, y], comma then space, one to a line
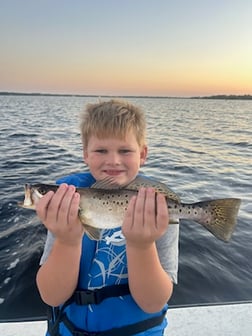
[223, 97]
[227, 97]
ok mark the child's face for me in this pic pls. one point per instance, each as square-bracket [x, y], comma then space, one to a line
[113, 157]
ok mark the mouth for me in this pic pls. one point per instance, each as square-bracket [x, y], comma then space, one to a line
[113, 172]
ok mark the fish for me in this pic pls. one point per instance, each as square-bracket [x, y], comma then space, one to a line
[104, 204]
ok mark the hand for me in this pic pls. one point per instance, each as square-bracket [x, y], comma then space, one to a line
[146, 218]
[59, 213]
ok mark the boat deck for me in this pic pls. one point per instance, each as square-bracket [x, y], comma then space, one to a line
[220, 320]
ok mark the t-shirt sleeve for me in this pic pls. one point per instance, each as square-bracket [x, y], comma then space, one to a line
[48, 247]
[168, 251]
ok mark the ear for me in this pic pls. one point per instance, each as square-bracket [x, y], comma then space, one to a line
[143, 154]
[85, 155]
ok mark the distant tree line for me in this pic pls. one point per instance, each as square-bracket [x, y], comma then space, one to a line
[228, 97]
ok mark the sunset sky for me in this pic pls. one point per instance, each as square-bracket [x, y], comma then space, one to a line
[129, 47]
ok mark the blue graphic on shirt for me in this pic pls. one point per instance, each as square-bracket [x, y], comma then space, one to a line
[109, 262]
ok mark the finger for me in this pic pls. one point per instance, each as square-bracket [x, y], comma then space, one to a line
[162, 216]
[139, 207]
[129, 216]
[74, 208]
[65, 204]
[54, 205]
[150, 207]
[42, 205]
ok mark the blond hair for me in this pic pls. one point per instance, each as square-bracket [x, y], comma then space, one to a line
[112, 118]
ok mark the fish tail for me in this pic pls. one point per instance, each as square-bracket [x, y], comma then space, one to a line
[221, 217]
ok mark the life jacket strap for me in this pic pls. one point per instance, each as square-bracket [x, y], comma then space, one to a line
[96, 296]
[128, 330]
[57, 315]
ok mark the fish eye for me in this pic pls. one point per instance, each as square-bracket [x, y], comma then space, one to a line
[41, 190]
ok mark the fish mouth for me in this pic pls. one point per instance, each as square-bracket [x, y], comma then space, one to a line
[27, 202]
[28, 199]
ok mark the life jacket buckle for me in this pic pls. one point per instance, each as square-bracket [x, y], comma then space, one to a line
[97, 295]
[86, 297]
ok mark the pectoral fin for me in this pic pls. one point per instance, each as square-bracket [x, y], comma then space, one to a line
[93, 233]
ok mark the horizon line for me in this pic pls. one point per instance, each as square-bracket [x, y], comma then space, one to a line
[215, 96]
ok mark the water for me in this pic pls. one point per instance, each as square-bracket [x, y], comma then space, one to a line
[200, 148]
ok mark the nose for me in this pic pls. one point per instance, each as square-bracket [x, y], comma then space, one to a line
[113, 158]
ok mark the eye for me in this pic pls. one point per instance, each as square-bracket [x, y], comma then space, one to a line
[101, 151]
[125, 151]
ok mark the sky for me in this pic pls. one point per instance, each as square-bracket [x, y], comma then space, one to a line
[130, 47]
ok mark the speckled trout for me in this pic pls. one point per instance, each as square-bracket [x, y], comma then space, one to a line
[103, 206]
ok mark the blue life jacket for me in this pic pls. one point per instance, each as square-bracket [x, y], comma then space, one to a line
[102, 304]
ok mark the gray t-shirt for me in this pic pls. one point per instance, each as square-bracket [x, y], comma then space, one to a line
[167, 247]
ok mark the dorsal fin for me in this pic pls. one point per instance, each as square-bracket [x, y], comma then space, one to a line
[143, 181]
[136, 184]
[106, 183]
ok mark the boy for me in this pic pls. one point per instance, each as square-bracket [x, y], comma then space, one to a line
[120, 284]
